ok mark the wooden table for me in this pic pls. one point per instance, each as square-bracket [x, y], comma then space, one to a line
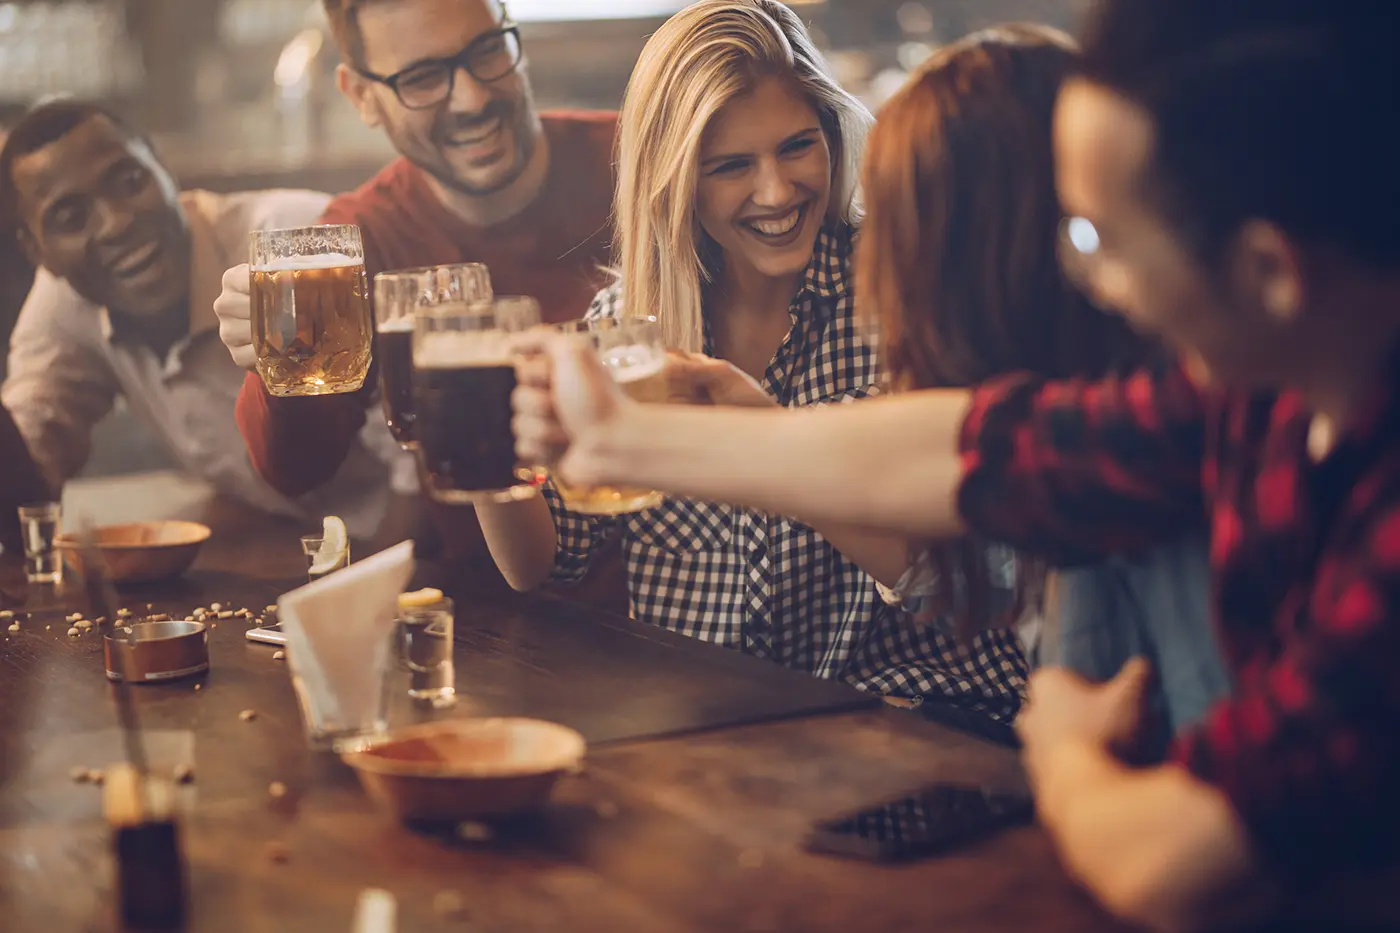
[695, 832]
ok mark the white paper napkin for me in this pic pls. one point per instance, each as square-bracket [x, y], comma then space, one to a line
[338, 632]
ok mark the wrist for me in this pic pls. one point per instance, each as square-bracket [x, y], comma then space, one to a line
[615, 448]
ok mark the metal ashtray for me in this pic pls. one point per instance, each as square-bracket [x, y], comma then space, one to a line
[149, 652]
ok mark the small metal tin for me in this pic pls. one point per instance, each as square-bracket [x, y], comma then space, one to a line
[156, 651]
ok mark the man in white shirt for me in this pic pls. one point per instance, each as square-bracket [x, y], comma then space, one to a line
[129, 268]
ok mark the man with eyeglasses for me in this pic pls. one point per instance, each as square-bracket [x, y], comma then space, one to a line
[482, 177]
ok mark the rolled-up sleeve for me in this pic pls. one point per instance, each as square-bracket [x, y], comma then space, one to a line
[579, 538]
[57, 387]
[1075, 471]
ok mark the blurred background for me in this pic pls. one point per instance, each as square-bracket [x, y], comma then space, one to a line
[240, 94]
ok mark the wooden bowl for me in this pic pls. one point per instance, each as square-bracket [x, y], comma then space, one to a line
[467, 769]
[143, 552]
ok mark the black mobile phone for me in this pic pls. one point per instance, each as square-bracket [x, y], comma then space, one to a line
[932, 821]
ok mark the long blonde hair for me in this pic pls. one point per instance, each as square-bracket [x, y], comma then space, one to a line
[703, 57]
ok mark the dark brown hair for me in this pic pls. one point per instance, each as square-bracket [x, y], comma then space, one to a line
[344, 18]
[1277, 110]
[957, 261]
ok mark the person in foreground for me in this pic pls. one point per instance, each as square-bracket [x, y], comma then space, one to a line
[1247, 235]
[482, 176]
[122, 306]
[738, 157]
[21, 482]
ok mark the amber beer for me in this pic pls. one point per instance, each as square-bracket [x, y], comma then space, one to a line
[312, 328]
[633, 352]
[643, 378]
[463, 377]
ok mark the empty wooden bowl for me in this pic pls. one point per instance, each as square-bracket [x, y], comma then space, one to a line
[143, 552]
[467, 769]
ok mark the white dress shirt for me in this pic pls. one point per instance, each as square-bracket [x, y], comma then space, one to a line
[68, 364]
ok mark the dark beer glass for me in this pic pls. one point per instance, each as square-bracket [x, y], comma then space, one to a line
[397, 297]
[463, 377]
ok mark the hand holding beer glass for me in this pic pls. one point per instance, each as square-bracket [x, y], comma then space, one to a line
[463, 376]
[311, 321]
[397, 298]
[632, 352]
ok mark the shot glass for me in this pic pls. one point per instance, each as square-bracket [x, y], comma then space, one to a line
[425, 650]
[347, 715]
[39, 523]
[316, 567]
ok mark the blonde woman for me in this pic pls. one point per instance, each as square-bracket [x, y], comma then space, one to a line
[736, 209]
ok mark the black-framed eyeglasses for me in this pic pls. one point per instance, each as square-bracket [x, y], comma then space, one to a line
[489, 57]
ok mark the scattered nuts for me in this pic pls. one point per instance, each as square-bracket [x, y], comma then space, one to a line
[14, 626]
[226, 614]
[279, 655]
[123, 613]
[85, 625]
[159, 617]
[101, 620]
[474, 832]
[79, 775]
[47, 627]
[74, 617]
[278, 853]
[270, 609]
[184, 773]
[248, 715]
[277, 790]
[216, 606]
[74, 632]
[448, 905]
[199, 686]
[7, 614]
[97, 776]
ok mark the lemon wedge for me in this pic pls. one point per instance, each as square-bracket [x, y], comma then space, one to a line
[335, 541]
[419, 599]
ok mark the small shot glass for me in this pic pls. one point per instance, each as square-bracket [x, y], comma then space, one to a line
[317, 564]
[425, 651]
[39, 523]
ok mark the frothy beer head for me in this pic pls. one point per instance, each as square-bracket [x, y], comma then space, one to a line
[633, 363]
[302, 263]
[458, 349]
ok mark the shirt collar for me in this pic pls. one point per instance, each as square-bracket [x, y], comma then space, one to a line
[828, 273]
[207, 264]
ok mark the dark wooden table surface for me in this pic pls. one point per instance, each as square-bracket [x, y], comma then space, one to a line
[696, 831]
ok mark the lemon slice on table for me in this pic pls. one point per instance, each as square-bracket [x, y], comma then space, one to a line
[419, 599]
[334, 541]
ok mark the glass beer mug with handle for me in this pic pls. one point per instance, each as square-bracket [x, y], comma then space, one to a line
[312, 328]
[463, 376]
[397, 297]
[633, 352]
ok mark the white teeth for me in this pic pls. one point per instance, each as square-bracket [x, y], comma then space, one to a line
[777, 227]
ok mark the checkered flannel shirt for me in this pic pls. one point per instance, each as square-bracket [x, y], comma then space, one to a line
[770, 586]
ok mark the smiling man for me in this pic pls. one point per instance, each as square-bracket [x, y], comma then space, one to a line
[483, 177]
[122, 306]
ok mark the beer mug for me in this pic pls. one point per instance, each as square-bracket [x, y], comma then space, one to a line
[634, 353]
[397, 297]
[311, 320]
[463, 377]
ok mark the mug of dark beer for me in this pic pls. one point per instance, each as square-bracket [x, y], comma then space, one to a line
[311, 321]
[463, 377]
[397, 298]
[634, 354]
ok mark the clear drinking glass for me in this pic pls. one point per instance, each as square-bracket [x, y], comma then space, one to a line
[312, 327]
[397, 297]
[425, 649]
[634, 353]
[317, 564]
[39, 523]
[346, 717]
[463, 377]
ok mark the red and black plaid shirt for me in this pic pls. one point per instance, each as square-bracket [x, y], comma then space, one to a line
[1306, 559]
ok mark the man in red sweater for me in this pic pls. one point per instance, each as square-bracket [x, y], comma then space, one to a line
[482, 177]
